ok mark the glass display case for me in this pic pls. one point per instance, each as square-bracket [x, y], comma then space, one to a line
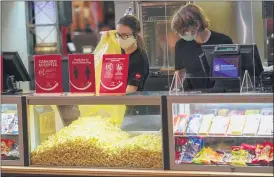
[95, 131]
[13, 135]
[223, 133]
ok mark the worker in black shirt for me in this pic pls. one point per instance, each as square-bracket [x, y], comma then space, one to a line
[128, 34]
[191, 24]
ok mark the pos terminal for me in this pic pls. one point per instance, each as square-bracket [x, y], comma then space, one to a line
[226, 65]
[13, 71]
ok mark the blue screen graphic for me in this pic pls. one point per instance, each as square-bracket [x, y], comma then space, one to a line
[227, 67]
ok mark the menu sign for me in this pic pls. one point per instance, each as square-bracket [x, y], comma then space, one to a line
[114, 74]
[81, 73]
[48, 73]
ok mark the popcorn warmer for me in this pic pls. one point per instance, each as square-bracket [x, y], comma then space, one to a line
[92, 131]
[223, 133]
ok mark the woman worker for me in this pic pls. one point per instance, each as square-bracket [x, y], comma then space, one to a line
[191, 24]
[128, 34]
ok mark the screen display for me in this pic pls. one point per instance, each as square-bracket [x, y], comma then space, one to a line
[227, 67]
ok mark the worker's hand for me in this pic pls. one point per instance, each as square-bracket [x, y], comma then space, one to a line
[104, 33]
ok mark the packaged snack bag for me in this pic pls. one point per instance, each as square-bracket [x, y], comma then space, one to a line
[209, 156]
[6, 146]
[264, 153]
[193, 147]
[180, 148]
[206, 123]
[251, 152]
[194, 124]
[252, 124]
[239, 157]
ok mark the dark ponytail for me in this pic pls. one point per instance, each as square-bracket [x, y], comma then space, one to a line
[140, 43]
[134, 24]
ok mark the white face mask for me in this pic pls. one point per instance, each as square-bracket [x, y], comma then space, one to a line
[188, 36]
[126, 43]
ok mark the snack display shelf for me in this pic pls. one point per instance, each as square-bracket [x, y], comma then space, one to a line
[223, 136]
[230, 141]
[13, 131]
[9, 134]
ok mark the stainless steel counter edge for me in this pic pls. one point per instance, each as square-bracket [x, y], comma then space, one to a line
[221, 98]
[140, 99]
[93, 100]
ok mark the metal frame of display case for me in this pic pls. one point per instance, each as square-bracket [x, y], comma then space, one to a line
[138, 9]
[76, 99]
[20, 101]
[212, 98]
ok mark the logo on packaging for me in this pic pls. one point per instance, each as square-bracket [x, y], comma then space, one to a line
[217, 68]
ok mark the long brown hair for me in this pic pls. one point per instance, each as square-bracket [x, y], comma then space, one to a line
[134, 24]
[187, 16]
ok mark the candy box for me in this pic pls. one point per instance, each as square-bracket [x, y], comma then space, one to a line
[266, 126]
[252, 111]
[236, 125]
[252, 124]
[7, 122]
[219, 125]
[236, 112]
[206, 123]
[180, 125]
[267, 111]
[223, 112]
[194, 124]
[211, 111]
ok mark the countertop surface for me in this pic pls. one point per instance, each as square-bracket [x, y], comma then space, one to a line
[65, 171]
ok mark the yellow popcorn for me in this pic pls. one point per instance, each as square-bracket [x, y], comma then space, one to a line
[97, 142]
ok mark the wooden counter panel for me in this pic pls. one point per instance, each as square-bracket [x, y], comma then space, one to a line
[5, 170]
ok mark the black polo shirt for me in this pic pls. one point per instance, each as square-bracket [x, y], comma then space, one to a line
[187, 57]
[138, 69]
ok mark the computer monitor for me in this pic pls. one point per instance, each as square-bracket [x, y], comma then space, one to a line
[13, 66]
[226, 66]
[234, 59]
[250, 59]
